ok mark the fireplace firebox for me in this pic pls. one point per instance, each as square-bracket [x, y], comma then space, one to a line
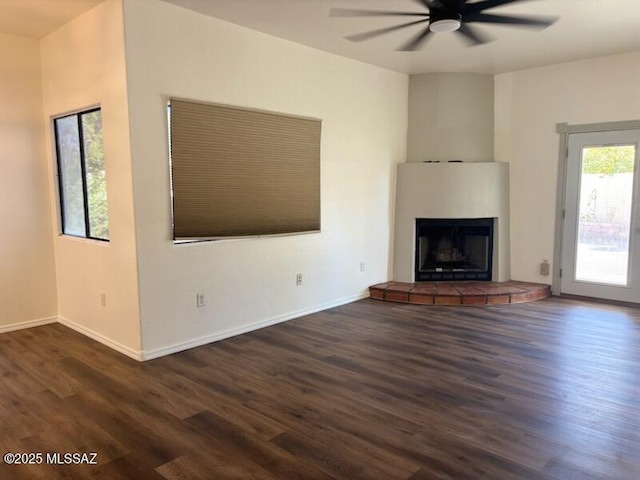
[453, 249]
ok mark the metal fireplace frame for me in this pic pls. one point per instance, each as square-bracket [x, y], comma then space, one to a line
[450, 272]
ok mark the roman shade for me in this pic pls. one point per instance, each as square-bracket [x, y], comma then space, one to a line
[242, 172]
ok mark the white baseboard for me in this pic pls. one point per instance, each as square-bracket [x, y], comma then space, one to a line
[129, 352]
[28, 324]
[178, 347]
[198, 342]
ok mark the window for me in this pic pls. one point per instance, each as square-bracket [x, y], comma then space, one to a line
[242, 172]
[81, 175]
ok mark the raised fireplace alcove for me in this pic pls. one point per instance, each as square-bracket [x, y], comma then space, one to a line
[446, 197]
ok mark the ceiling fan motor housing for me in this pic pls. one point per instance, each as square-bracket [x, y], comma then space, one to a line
[442, 20]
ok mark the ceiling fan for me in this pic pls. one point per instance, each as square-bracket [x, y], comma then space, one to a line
[445, 16]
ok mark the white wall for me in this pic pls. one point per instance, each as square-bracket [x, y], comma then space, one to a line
[27, 275]
[450, 117]
[528, 105]
[83, 65]
[247, 283]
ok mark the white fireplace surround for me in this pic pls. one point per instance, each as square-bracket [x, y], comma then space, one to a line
[451, 190]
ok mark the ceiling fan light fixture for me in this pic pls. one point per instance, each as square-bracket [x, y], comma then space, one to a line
[445, 25]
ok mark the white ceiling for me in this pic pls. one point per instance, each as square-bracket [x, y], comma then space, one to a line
[37, 18]
[585, 29]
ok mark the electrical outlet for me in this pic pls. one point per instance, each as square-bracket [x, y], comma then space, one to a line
[103, 299]
[200, 300]
[544, 267]
[362, 266]
[299, 279]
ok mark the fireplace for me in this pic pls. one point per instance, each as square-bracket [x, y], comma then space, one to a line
[453, 249]
[469, 190]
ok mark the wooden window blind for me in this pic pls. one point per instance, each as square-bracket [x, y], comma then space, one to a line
[241, 172]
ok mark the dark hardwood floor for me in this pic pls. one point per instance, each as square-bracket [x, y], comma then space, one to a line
[370, 390]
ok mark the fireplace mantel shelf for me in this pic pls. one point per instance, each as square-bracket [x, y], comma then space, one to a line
[460, 293]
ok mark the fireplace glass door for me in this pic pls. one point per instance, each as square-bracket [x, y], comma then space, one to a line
[454, 249]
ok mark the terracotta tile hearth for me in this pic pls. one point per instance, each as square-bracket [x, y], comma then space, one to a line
[460, 293]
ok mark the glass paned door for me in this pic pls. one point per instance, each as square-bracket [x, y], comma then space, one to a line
[600, 253]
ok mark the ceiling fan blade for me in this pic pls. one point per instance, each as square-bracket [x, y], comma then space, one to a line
[472, 35]
[352, 12]
[417, 41]
[536, 22]
[424, 3]
[381, 31]
[433, 3]
[487, 4]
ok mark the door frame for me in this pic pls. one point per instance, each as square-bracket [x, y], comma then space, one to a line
[564, 130]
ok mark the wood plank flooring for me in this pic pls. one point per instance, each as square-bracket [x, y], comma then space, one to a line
[369, 390]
